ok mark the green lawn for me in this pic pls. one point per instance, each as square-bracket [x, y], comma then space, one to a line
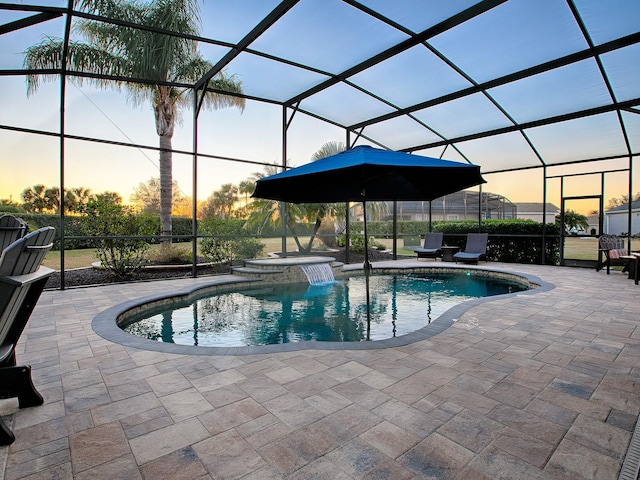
[586, 248]
[85, 257]
[581, 248]
[575, 248]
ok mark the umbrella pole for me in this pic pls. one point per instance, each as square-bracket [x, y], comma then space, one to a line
[367, 264]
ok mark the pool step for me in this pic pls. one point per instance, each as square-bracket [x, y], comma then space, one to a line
[282, 270]
[254, 271]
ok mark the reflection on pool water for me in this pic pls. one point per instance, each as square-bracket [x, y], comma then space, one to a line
[336, 312]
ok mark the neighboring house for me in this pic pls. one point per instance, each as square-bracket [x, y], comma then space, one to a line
[594, 224]
[534, 211]
[616, 220]
[463, 205]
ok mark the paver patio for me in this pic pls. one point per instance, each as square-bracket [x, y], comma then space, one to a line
[534, 386]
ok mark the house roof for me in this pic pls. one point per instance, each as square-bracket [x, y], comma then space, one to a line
[635, 205]
[535, 207]
[462, 201]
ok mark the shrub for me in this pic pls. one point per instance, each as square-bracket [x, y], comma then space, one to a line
[225, 243]
[121, 256]
[249, 248]
[172, 255]
[356, 239]
[180, 226]
[516, 240]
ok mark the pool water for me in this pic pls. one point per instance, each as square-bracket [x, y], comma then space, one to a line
[336, 312]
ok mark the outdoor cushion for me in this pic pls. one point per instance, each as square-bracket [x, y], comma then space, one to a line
[617, 253]
[475, 248]
[432, 246]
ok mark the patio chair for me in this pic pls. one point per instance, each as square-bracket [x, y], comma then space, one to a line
[475, 249]
[22, 280]
[615, 253]
[11, 229]
[432, 247]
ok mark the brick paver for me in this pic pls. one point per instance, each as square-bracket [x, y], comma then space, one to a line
[543, 385]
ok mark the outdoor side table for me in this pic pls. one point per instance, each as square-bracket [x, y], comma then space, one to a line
[448, 252]
[632, 265]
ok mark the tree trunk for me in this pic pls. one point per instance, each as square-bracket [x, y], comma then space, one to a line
[166, 185]
[292, 227]
[165, 113]
[316, 227]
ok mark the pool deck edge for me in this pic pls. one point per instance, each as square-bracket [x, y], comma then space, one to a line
[105, 323]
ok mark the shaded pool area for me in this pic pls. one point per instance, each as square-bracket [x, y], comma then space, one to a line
[106, 323]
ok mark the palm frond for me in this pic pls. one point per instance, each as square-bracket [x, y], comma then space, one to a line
[114, 38]
[80, 57]
[181, 16]
[227, 83]
[127, 10]
[328, 149]
[192, 69]
[120, 51]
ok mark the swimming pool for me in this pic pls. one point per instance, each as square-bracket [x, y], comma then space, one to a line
[337, 312]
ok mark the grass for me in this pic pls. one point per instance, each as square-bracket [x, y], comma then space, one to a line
[585, 248]
[85, 257]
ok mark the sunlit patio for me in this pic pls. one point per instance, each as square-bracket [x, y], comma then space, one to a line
[538, 385]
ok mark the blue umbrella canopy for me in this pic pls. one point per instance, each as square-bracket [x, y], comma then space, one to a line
[369, 174]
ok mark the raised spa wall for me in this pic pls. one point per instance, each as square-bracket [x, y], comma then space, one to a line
[285, 270]
[288, 270]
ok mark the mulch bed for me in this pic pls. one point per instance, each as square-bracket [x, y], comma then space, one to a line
[93, 276]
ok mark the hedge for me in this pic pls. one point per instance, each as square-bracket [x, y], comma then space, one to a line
[515, 241]
[182, 226]
[512, 241]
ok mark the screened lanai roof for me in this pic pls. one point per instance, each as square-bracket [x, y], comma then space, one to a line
[502, 84]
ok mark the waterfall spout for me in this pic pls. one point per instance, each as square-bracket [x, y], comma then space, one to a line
[319, 273]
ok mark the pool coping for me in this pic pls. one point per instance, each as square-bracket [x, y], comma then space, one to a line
[105, 323]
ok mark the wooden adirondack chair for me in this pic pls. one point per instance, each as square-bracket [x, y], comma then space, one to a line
[22, 280]
[11, 229]
[614, 251]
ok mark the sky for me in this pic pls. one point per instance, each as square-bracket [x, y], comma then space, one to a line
[255, 135]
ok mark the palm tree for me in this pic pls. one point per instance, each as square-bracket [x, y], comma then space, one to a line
[112, 198]
[147, 195]
[76, 198]
[220, 203]
[34, 198]
[123, 52]
[265, 212]
[246, 187]
[9, 206]
[328, 149]
[268, 212]
[573, 221]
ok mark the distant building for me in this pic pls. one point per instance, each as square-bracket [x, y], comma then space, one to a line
[463, 205]
[594, 224]
[616, 220]
[534, 211]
